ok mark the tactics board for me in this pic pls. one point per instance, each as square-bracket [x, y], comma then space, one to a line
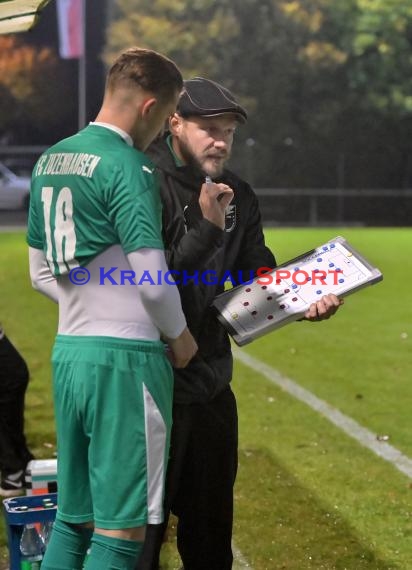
[283, 295]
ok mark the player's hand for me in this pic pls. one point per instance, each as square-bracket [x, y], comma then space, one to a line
[213, 201]
[324, 308]
[181, 349]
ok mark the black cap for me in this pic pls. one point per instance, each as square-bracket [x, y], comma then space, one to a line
[204, 98]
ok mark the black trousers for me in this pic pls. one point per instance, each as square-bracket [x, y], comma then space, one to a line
[199, 486]
[14, 377]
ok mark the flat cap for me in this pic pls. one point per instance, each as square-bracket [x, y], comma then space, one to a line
[205, 98]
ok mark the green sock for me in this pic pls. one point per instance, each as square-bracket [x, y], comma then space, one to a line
[67, 547]
[109, 553]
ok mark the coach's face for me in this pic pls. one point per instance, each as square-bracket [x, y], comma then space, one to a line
[204, 142]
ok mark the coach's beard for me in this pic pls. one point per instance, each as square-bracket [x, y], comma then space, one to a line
[210, 165]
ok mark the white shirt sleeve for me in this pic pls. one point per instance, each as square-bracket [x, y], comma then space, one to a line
[41, 277]
[162, 302]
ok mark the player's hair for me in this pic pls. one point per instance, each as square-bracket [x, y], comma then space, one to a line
[152, 71]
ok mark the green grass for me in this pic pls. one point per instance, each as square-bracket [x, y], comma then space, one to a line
[307, 495]
[359, 361]
[317, 499]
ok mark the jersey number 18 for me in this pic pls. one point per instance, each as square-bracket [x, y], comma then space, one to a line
[61, 230]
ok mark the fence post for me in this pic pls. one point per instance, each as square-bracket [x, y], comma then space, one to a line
[313, 210]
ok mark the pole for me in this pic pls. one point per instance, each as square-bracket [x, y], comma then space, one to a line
[341, 187]
[82, 71]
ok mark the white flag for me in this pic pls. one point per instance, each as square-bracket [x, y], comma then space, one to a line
[70, 24]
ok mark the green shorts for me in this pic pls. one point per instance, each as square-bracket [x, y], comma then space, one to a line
[113, 406]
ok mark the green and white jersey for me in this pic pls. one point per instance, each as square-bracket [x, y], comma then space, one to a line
[95, 202]
[89, 192]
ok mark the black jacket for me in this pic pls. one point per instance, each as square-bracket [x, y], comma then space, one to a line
[194, 245]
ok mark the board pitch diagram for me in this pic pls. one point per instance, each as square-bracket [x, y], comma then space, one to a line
[284, 294]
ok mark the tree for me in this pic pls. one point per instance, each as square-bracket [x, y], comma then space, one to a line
[241, 43]
[322, 79]
[32, 89]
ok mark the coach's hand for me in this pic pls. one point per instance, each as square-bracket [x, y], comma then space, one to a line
[181, 349]
[213, 200]
[324, 308]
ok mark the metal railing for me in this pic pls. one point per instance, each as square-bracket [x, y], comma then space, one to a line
[335, 206]
[298, 206]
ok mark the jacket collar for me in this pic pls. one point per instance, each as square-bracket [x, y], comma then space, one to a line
[161, 154]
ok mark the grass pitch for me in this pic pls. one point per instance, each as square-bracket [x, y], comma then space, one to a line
[307, 495]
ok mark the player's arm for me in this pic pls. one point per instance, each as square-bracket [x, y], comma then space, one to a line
[162, 303]
[324, 308]
[41, 277]
[133, 202]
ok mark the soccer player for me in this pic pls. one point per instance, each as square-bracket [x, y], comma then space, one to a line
[94, 229]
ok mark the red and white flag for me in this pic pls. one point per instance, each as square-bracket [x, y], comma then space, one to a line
[70, 24]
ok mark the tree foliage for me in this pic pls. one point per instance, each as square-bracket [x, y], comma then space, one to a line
[321, 79]
[31, 88]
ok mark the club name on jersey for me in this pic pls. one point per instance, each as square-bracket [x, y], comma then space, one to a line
[79, 163]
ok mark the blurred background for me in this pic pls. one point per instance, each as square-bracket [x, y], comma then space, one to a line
[328, 87]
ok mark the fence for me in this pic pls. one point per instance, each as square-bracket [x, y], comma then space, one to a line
[295, 206]
[333, 207]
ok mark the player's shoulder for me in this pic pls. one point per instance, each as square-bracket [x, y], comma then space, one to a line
[116, 154]
[136, 164]
[143, 161]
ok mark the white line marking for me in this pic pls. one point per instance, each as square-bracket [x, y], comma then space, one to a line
[345, 423]
[239, 561]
